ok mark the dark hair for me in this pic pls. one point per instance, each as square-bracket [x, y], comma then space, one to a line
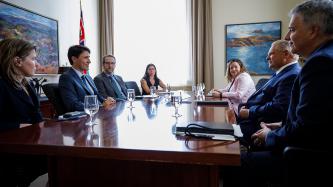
[104, 57]
[76, 50]
[147, 74]
[240, 63]
[9, 50]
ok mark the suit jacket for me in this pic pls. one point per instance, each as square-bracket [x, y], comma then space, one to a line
[309, 119]
[16, 107]
[73, 90]
[103, 84]
[270, 102]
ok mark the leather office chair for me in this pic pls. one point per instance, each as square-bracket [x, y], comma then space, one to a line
[51, 91]
[261, 82]
[133, 85]
[307, 167]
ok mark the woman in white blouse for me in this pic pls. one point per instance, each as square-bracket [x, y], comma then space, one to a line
[240, 85]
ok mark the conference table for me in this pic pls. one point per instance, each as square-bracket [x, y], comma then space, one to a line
[129, 147]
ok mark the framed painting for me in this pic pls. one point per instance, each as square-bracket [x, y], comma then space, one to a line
[250, 43]
[16, 22]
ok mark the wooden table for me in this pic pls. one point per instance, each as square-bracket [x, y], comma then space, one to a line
[128, 147]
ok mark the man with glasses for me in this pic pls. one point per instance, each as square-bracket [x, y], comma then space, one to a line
[109, 84]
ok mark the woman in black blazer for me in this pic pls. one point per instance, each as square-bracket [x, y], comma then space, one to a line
[19, 107]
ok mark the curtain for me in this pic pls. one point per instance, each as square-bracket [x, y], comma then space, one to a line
[106, 28]
[201, 40]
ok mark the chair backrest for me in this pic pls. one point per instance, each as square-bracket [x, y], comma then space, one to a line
[307, 167]
[261, 82]
[133, 85]
[51, 91]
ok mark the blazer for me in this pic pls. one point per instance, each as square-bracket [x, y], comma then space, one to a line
[309, 119]
[271, 101]
[73, 91]
[16, 107]
[239, 90]
[104, 87]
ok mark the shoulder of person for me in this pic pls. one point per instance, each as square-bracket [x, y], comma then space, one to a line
[244, 75]
[99, 76]
[143, 80]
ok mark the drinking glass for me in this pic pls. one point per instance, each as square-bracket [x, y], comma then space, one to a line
[153, 91]
[168, 88]
[176, 101]
[130, 97]
[91, 107]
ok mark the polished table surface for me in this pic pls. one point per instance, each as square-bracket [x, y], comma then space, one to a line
[144, 133]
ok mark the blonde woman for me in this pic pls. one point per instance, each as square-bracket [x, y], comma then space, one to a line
[240, 85]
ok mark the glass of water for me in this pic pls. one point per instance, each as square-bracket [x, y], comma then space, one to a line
[153, 91]
[130, 97]
[91, 107]
[176, 101]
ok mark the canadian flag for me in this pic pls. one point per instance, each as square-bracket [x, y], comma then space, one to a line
[82, 35]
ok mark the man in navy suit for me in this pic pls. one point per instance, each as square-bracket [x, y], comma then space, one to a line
[74, 85]
[270, 102]
[309, 120]
[108, 84]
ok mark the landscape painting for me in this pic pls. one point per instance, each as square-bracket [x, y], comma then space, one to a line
[16, 22]
[250, 43]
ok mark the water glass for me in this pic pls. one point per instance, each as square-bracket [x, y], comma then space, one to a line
[176, 101]
[153, 91]
[130, 97]
[168, 88]
[91, 107]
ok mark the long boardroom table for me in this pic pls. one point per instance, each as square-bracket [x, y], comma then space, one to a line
[129, 147]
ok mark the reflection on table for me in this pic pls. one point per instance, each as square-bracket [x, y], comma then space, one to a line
[129, 144]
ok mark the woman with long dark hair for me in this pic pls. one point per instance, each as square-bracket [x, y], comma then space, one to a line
[150, 79]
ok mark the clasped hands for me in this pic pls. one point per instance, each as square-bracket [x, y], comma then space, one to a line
[259, 138]
[108, 102]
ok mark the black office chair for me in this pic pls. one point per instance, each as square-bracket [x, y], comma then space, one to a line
[133, 85]
[261, 82]
[307, 167]
[51, 91]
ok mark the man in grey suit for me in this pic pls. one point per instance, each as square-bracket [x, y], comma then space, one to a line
[109, 84]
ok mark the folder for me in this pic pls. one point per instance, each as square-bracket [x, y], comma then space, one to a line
[212, 102]
[206, 127]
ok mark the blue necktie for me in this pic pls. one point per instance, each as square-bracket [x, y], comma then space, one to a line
[117, 88]
[90, 90]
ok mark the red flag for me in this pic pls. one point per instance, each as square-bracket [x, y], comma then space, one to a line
[82, 35]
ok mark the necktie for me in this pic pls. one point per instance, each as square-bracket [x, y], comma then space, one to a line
[117, 88]
[90, 90]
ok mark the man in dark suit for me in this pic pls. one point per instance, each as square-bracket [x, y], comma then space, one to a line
[109, 84]
[74, 85]
[309, 122]
[270, 102]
